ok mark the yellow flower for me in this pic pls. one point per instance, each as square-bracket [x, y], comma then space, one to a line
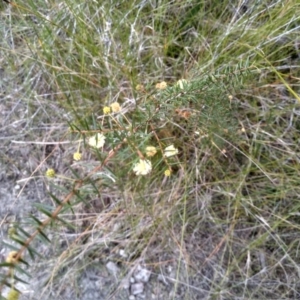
[115, 107]
[50, 173]
[181, 83]
[106, 110]
[12, 231]
[143, 167]
[13, 294]
[170, 151]
[161, 85]
[150, 151]
[11, 257]
[140, 87]
[97, 141]
[168, 172]
[77, 156]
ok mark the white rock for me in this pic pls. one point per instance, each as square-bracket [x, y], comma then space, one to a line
[123, 253]
[112, 268]
[17, 187]
[125, 283]
[137, 288]
[132, 280]
[142, 275]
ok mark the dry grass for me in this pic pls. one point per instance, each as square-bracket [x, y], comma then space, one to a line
[224, 225]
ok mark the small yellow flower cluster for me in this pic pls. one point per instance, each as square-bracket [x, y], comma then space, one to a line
[50, 173]
[13, 294]
[12, 231]
[140, 87]
[97, 141]
[144, 166]
[114, 107]
[150, 151]
[168, 172]
[106, 110]
[77, 156]
[161, 85]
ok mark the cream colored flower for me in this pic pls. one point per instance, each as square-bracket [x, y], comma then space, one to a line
[181, 83]
[170, 151]
[150, 151]
[77, 156]
[97, 141]
[161, 85]
[115, 107]
[11, 257]
[106, 110]
[143, 167]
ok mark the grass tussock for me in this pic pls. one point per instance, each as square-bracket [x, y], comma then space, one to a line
[217, 85]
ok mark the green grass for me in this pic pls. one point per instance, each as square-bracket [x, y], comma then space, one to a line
[227, 217]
